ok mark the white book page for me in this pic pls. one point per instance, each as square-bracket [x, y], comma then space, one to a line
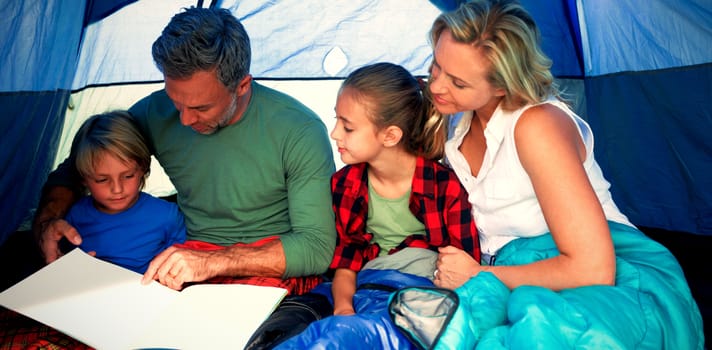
[212, 316]
[98, 303]
[106, 306]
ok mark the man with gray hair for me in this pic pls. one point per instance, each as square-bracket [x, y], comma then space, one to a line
[251, 166]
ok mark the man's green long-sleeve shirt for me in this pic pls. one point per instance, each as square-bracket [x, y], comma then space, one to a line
[267, 174]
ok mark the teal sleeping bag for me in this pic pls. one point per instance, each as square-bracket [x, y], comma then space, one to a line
[650, 307]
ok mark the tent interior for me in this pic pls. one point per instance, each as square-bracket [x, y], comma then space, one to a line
[639, 71]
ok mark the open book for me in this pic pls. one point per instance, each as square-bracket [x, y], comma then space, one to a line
[106, 307]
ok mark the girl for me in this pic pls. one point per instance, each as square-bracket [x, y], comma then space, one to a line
[393, 193]
[394, 206]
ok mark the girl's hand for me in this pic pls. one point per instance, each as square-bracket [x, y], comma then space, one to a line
[454, 267]
[344, 310]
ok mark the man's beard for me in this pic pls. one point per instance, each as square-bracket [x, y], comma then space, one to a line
[227, 117]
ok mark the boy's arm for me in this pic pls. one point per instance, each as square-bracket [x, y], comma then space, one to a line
[343, 289]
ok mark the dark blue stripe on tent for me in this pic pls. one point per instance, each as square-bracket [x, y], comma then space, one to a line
[99, 9]
[32, 125]
[558, 35]
[652, 132]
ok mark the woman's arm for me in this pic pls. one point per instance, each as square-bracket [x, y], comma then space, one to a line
[552, 152]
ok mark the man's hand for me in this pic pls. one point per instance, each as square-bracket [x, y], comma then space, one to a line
[49, 226]
[51, 233]
[175, 266]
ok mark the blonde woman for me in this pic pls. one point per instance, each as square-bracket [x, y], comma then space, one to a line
[579, 273]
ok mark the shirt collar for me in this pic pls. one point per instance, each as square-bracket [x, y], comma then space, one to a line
[423, 178]
[495, 129]
[356, 179]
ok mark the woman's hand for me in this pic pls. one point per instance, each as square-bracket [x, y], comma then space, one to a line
[454, 267]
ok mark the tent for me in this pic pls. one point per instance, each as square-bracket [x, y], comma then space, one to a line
[640, 72]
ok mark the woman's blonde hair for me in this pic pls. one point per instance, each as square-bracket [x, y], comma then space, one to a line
[510, 40]
[115, 133]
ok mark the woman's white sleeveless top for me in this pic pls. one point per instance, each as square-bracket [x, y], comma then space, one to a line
[504, 204]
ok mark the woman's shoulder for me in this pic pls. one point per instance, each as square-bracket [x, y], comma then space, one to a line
[550, 107]
[548, 134]
[544, 119]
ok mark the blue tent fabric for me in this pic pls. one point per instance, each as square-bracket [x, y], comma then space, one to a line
[117, 49]
[293, 49]
[634, 36]
[32, 165]
[644, 64]
[38, 56]
[100, 9]
[637, 144]
[557, 22]
[648, 87]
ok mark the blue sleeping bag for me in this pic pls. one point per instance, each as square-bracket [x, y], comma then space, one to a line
[371, 326]
[650, 307]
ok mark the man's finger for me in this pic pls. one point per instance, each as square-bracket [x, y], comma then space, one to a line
[176, 282]
[150, 273]
[164, 271]
[153, 268]
[52, 233]
[59, 228]
[50, 255]
[50, 250]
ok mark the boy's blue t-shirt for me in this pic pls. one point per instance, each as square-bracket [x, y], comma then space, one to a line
[133, 237]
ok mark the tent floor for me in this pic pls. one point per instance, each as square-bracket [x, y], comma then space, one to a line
[19, 258]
